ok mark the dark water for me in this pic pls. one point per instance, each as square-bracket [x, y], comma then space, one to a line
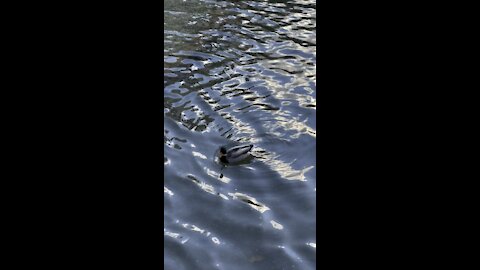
[240, 72]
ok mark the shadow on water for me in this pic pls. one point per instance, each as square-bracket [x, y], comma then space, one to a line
[240, 72]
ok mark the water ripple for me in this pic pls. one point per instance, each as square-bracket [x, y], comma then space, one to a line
[240, 72]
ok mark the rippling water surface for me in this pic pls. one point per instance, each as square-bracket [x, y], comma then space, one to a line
[240, 72]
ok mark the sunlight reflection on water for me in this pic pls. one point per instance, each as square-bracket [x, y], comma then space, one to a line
[240, 72]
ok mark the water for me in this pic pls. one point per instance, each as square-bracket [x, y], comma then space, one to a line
[240, 72]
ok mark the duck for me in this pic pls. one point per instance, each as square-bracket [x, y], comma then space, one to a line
[235, 154]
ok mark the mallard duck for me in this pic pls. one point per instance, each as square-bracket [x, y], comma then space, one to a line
[235, 154]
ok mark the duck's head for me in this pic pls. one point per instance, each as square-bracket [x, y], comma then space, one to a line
[223, 155]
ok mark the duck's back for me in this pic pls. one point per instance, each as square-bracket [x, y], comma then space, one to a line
[239, 151]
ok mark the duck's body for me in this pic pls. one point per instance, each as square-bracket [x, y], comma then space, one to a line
[235, 154]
